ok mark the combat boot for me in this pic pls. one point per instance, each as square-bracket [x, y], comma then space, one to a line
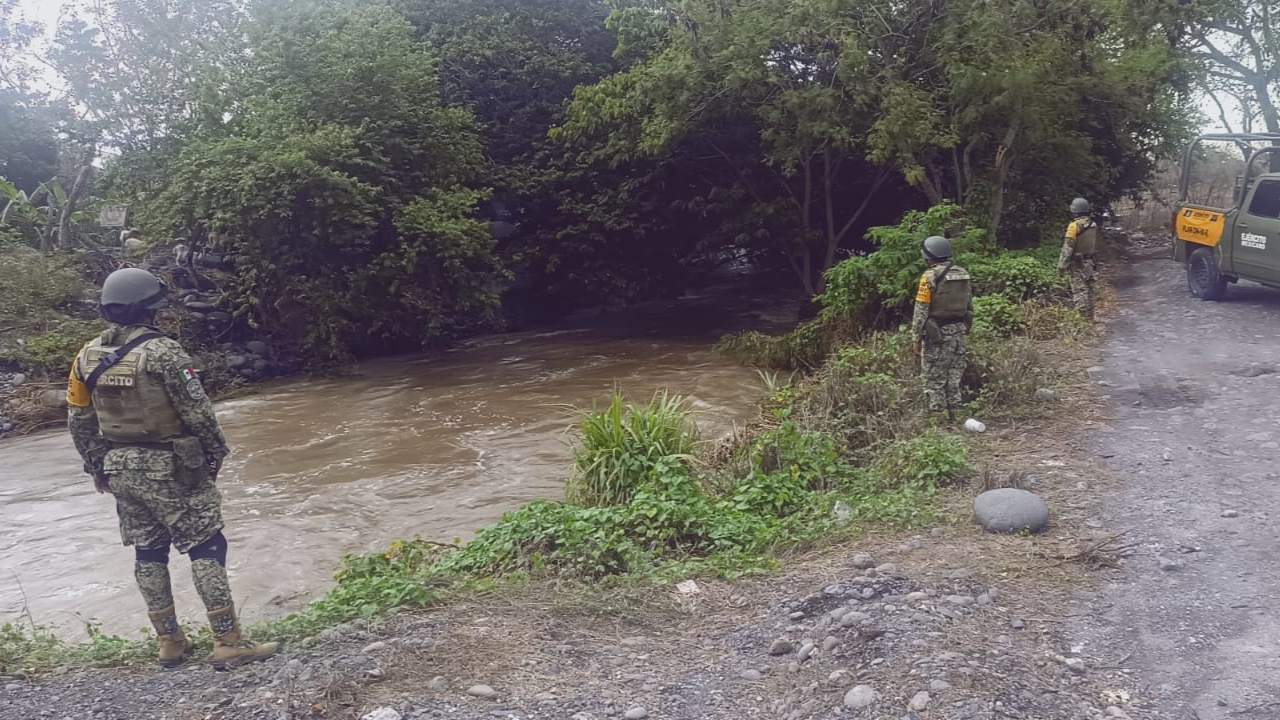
[174, 645]
[230, 648]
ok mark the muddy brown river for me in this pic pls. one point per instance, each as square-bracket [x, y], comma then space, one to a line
[436, 446]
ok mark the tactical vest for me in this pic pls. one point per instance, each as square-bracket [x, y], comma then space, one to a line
[133, 405]
[950, 295]
[1086, 238]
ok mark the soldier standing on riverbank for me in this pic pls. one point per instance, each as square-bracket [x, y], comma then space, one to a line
[147, 433]
[943, 314]
[1076, 260]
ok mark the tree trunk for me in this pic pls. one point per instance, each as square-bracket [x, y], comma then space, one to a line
[1004, 157]
[78, 189]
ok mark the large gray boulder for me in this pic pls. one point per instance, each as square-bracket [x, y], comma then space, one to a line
[1009, 510]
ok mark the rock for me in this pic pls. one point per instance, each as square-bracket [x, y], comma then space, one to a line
[545, 697]
[830, 643]
[12, 687]
[257, 347]
[199, 305]
[887, 569]
[235, 362]
[920, 701]
[17, 379]
[753, 675]
[985, 599]
[959, 600]
[860, 697]
[482, 691]
[636, 713]
[382, 713]
[863, 561]
[1009, 510]
[805, 651]
[1075, 665]
[797, 615]
[840, 677]
[438, 684]
[54, 399]
[853, 617]
[939, 685]
[916, 597]
[374, 647]
[1230, 513]
[5, 427]
[1169, 564]
[1046, 395]
[1017, 624]
[781, 646]
[841, 513]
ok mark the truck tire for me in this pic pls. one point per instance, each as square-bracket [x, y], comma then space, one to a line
[1203, 277]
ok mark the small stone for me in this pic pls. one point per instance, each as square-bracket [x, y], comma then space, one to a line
[200, 306]
[17, 379]
[959, 600]
[781, 646]
[887, 569]
[1230, 513]
[1017, 624]
[830, 643]
[1046, 395]
[545, 697]
[797, 615]
[985, 599]
[920, 701]
[636, 713]
[481, 691]
[257, 347]
[752, 675]
[916, 597]
[939, 685]
[1169, 564]
[12, 687]
[860, 697]
[793, 667]
[374, 647]
[840, 677]
[863, 561]
[1075, 665]
[1009, 510]
[235, 362]
[383, 713]
[805, 651]
[853, 617]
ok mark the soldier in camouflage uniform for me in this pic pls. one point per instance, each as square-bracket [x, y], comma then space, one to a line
[1077, 258]
[940, 324]
[147, 433]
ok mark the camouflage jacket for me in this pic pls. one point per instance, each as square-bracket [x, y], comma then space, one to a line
[168, 361]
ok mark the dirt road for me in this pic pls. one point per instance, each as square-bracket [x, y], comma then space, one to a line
[1193, 438]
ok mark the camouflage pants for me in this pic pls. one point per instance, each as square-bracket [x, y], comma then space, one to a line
[1082, 273]
[155, 506]
[942, 366]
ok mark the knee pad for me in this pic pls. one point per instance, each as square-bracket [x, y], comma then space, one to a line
[152, 555]
[215, 549]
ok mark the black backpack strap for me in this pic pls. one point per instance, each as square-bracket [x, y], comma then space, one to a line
[115, 357]
[936, 279]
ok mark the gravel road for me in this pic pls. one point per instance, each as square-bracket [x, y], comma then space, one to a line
[1193, 437]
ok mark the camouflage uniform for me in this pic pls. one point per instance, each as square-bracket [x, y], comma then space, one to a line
[164, 490]
[942, 360]
[1077, 261]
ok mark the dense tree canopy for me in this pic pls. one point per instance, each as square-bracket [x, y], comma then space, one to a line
[385, 172]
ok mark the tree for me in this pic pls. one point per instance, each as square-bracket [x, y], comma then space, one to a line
[1236, 43]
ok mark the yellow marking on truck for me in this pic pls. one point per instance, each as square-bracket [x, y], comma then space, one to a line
[1202, 227]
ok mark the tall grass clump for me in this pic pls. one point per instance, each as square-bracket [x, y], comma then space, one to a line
[622, 445]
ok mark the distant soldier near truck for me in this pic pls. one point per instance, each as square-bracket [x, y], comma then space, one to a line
[1079, 249]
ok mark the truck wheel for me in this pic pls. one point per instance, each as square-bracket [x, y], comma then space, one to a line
[1203, 276]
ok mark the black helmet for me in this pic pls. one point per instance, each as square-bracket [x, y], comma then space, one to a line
[131, 293]
[1080, 206]
[935, 247]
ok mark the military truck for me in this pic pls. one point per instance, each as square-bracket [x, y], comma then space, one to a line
[1224, 237]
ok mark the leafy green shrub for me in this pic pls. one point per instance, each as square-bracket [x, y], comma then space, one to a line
[1016, 277]
[804, 348]
[879, 286]
[931, 459]
[996, 316]
[622, 445]
[36, 288]
[51, 352]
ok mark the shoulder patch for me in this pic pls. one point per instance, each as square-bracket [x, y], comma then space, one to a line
[189, 374]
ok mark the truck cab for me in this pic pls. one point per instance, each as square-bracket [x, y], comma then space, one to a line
[1241, 240]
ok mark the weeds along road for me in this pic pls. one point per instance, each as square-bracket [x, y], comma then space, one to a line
[1193, 436]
